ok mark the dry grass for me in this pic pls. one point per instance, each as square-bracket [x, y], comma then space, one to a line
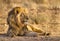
[39, 13]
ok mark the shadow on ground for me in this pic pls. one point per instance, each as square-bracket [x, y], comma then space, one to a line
[23, 38]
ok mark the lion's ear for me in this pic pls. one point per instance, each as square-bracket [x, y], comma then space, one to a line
[16, 11]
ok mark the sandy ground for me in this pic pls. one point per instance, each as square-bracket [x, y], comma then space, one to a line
[23, 38]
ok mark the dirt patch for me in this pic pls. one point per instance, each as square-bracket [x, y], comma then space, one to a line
[41, 38]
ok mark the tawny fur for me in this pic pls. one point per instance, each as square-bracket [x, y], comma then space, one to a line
[16, 21]
[17, 18]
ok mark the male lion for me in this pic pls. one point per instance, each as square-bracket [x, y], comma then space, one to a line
[16, 18]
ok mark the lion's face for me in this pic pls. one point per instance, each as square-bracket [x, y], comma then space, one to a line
[23, 18]
[22, 12]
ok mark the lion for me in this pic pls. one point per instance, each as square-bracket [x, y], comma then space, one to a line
[16, 18]
[17, 21]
